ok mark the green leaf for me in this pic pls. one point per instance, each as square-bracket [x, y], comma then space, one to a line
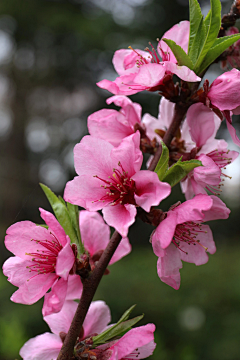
[179, 170]
[220, 45]
[162, 164]
[213, 22]
[103, 337]
[179, 53]
[117, 330]
[198, 42]
[61, 213]
[74, 216]
[195, 16]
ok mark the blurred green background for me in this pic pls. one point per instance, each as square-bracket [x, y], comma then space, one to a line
[51, 55]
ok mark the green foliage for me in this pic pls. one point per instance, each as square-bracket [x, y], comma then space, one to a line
[179, 170]
[179, 53]
[67, 216]
[220, 45]
[119, 329]
[162, 164]
[195, 18]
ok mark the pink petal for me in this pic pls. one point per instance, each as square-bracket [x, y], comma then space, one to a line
[232, 132]
[74, 289]
[151, 124]
[54, 226]
[33, 289]
[16, 270]
[92, 157]
[133, 339]
[124, 60]
[201, 123]
[123, 249]
[178, 33]
[131, 111]
[163, 235]
[150, 191]
[224, 89]
[54, 300]
[166, 112]
[85, 191]
[62, 320]
[95, 232]
[208, 174]
[108, 124]
[65, 260]
[120, 217]
[129, 154]
[19, 236]
[43, 347]
[168, 266]
[183, 72]
[218, 210]
[143, 351]
[194, 209]
[150, 75]
[97, 318]
[123, 85]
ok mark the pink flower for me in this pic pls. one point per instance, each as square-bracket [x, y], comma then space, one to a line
[112, 125]
[95, 234]
[224, 95]
[181, 236]
[44, 259]
[145, 70]
[48, 345]
[202, 124]
[136, 342]
[110, 179]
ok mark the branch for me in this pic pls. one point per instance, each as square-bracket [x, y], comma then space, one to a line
[179, 113]
[90, 285]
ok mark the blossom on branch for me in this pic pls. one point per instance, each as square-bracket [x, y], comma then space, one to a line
[181, 236]
[224, 95]
[145, 70]
[136, 343]
[95, 234]
[43, 259]
[110, 178]
[112, 125]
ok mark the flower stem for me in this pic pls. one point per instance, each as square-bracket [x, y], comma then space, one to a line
[90, 285]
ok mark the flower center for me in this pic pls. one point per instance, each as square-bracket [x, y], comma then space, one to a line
[187, 232]
[44, 261]
[120, 188]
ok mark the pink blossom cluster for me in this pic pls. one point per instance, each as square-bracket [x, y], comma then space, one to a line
[110, 178]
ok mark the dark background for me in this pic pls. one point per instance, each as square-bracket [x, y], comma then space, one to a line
[51, 55]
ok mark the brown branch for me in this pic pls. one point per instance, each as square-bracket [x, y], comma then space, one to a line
[179, 113]
[90, 285]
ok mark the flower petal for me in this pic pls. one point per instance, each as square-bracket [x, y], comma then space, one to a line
[54, 300]
[97, 318]
[42, 347]
[65, 260]
[150, 191]
[62, 320]
[120, 217]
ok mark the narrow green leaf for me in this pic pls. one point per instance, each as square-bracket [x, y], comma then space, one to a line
[195, 16]
[213, 20]
[115, 331]
[220, 45]
[162, 164]
[207, 19]
[179, 53]
[198, 42]
[74, 216]
[179, 170]
[61, 213]
[126, 314]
